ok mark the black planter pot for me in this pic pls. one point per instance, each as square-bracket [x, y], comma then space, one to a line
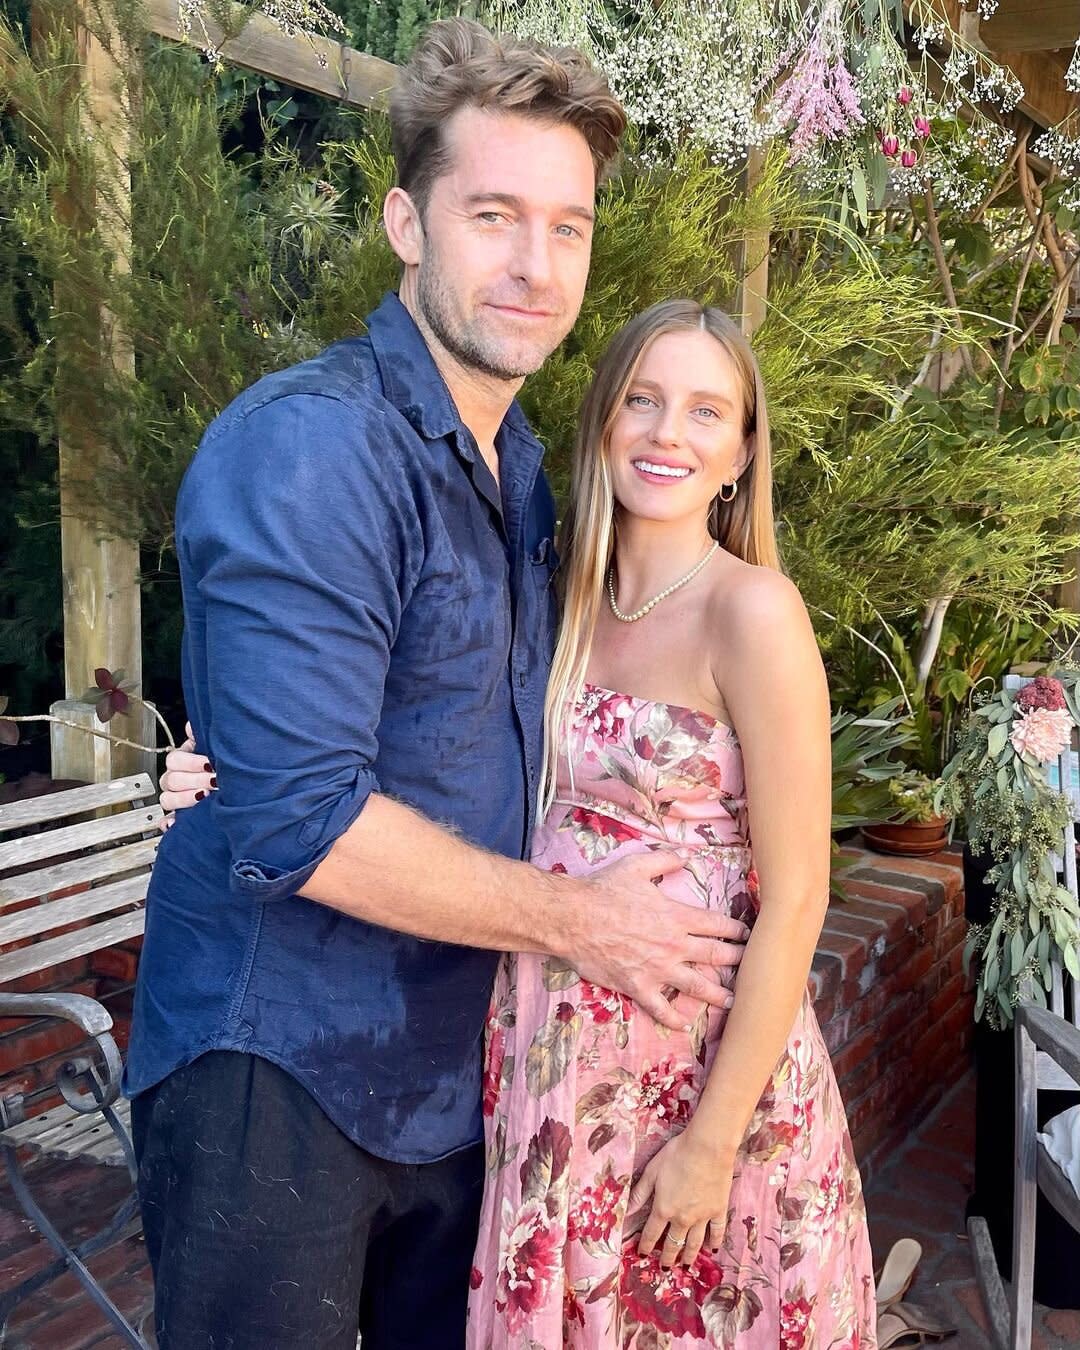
[1057, 1246]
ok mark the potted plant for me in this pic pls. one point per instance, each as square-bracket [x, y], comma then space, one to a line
[916, 827]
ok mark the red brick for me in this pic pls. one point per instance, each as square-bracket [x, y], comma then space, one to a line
[892, 918]
[105, 1267]
[946, 997]
[887, 1099]
[899, 951]
[872, 1004]
[837, 1031]
[121, 1032]
[29, 1080]
[853, 1053]
[885, 874]
[954, 935]
[911, 901]
[842, 920]
[953, 856]
[915, 969]
[853, 991]
[971, 1301]
[74, 1326]
[860, 1077]
[116, 964]
[958, 1023]
[850, 951]
[875, 1145]
[53, 978]
[1065, 1323]
[25, 1262]
[826, 972]
[932, 929]
[945, 875]
[27, 1047]
[824, 1008]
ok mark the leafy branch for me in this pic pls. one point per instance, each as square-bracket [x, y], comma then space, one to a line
[111, 694]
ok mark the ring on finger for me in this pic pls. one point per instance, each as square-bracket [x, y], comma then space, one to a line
[677, 1241]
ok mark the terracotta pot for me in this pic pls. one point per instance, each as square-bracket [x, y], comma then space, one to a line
[909, 838]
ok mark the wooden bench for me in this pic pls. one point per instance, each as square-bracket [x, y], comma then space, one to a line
[73, 876]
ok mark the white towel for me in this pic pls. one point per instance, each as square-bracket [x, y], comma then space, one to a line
[1061, 1139]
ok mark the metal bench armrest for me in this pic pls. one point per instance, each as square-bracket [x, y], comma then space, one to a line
[85, 1012]
[96, 1022]
[1051, 1033]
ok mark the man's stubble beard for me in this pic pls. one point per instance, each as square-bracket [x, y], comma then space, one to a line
[462, 337]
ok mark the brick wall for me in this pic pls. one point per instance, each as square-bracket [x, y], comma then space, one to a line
[890, 993]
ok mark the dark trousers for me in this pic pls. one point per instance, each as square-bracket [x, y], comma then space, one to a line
[268, 1229]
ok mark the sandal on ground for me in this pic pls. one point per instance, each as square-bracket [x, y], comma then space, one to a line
[897, 1273]
[910, 1324]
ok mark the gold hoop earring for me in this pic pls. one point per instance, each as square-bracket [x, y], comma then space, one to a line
[734, 486]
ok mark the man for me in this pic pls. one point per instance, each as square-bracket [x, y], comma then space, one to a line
[365, 543]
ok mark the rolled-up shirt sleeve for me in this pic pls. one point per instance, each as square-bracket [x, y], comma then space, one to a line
[300, 545]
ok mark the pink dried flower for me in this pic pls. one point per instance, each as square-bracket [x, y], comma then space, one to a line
[1042, 692]
[1042, 733]
[909, 159]
[890, 147]
[904, 95]
[922, 128]
[819, 96]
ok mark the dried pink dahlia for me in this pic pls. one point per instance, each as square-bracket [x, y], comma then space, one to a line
[1042, 692]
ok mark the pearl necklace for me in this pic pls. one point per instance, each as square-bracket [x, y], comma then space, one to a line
[651, 604]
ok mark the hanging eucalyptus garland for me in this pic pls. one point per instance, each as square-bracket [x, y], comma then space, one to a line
[998, 781]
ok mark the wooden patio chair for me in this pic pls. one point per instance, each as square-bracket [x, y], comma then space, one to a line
[69, 888]
[1047, 1059]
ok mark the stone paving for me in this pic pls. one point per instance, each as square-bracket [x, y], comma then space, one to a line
[921, 1193]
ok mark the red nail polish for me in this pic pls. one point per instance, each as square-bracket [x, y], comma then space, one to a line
[208, 767]
[213, 781]
[199, 796]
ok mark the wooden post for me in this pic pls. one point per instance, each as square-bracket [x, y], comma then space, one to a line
[102, 600]
[755, 255]
[102, 603]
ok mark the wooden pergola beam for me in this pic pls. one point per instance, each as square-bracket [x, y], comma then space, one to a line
[1046, 100]
[1020, 26]
[305, 61]
[1040, 70]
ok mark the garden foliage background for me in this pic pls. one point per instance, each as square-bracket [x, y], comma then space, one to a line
[923, 376]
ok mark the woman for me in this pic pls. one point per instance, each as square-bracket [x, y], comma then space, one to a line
[651, 1190]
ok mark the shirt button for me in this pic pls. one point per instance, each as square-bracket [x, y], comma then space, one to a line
[521, 679]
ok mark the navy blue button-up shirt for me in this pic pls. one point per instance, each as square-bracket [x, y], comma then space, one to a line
[365, 611]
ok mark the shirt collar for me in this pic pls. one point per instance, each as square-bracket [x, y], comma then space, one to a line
[411, 379]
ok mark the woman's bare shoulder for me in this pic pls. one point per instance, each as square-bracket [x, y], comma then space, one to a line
[745, 597]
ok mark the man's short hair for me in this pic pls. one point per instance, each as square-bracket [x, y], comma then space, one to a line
[459, 64]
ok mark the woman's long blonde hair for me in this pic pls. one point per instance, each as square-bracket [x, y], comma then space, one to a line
[744, 526]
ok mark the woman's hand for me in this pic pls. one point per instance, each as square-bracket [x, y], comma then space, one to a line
[187, 779]
[688, 1183]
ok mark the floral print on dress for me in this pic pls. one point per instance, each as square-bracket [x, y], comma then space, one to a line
[581, 1089]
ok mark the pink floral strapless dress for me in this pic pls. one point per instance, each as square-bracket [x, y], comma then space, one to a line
[581, 1089]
